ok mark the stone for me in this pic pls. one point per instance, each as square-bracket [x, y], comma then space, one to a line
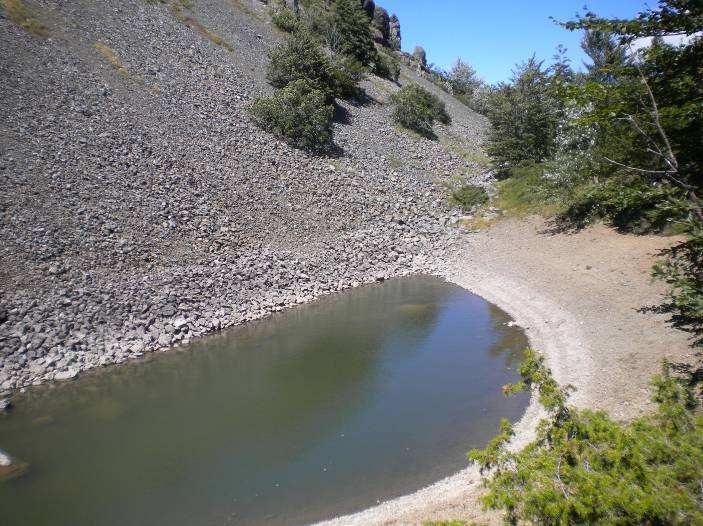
[68, 374]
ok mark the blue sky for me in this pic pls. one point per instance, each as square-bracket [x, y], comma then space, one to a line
[494, 35]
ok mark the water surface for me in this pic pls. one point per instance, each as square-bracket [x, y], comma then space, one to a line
[320, 410]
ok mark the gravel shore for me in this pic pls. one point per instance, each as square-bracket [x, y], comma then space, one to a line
[578, 297]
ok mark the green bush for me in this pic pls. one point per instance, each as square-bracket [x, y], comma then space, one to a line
[628, 203]
[352, 27]
[285, 20]
[301, 57]
[299, 113]
[469, 196]
[585, 468]
[387, 66]
[682, 270]
[347, 72]
[417, 109]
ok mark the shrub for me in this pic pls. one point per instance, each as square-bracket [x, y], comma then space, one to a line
[628, 203]
[682, 270]
[347, 72]
[417, 109]
[299, 113]
[387, 66]
[301, 57]
[352, 27]
[469, 196]
[285, 20]
[585, 468]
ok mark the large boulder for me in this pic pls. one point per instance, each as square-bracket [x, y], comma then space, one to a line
[420, 56]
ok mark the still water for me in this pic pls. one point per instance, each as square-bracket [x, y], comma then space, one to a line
[320, 410]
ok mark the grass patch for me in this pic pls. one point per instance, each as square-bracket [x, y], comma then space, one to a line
[111, 57]
[473, 156]
[193, 23]
[527, 192]
[394, 162]
[21, 15]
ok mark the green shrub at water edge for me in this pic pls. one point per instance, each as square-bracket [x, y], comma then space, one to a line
[469, 196]
[298, 113]
[417, 109]
[585, 468]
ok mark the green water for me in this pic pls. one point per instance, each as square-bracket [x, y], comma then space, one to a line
[320, 410]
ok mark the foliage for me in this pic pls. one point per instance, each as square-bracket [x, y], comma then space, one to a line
[21, 15]
[682, 268]
[285, 20]
[352, 26]
[529, 190]
[301, 57]
[417, 109]
[300, 113]
[524, 115]
[585, 468]
[468, 196]
[387, 66]
[626, 202]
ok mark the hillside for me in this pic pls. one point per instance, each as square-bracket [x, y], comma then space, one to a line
[141, 207]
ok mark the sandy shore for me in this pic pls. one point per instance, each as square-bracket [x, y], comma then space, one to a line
[578, 297]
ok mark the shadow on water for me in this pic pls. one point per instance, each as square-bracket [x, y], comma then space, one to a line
[316, 411]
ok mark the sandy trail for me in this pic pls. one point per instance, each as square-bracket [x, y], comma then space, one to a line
[578, 296]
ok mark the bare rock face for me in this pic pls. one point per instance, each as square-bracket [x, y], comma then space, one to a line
[381, 26]
[420, 56]
[394, 33]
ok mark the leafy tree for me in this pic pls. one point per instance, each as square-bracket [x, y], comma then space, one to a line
[463, 79]
[352, 26]
[524, 116]
[607, 55]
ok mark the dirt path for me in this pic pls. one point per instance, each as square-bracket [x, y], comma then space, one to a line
[579, 298]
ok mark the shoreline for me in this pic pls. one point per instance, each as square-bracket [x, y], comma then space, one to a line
[545, 304]
[531, 313]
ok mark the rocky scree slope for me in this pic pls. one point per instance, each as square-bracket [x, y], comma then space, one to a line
[140, 207]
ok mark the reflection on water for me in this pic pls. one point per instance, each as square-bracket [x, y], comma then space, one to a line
[320, 410]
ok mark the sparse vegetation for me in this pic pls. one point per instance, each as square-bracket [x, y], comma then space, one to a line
[469, 196]
[585, 468]
[387, 66]
[193, 23]
[111, 57]
[300, 113]
[285, 20]
[24, 17]
[417, 109]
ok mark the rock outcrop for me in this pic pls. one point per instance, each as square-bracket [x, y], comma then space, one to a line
[394, 30]
[381, 26]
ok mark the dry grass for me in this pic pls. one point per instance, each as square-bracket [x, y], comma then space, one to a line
[18, 12]
[111, 57]
[195, 24]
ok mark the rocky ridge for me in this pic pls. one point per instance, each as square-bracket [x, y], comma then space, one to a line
[140, 208]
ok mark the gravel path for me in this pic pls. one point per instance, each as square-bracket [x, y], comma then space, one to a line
[578, 297]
